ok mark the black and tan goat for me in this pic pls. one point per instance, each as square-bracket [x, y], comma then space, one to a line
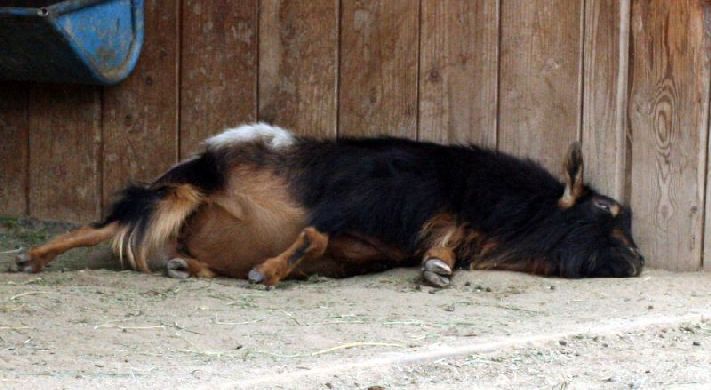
[262, 204]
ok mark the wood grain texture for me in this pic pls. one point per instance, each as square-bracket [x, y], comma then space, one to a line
[668, 117]
[378, 77]
[298, 61]
[218, 68]
[606, 60]
[706, 255]
[539, 98]
[14, 128]
[459, 71]
[65, 146]
[140, 115]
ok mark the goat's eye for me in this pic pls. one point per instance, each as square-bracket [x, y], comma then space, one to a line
[603, 206]
[606, 206]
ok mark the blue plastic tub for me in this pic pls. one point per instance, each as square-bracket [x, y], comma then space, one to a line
[75, 41]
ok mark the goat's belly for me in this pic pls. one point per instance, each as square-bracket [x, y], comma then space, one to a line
[231, 246]
[253, 219]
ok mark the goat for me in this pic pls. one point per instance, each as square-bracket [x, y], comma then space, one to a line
[260, 203]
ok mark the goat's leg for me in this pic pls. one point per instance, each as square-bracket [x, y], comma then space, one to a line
[310, 244]
[181, 267]
[439, 238]
[37, 258]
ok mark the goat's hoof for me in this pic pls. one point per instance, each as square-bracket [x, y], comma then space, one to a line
[24, 262]
[177, 268]
[436, 272]
[255, 276]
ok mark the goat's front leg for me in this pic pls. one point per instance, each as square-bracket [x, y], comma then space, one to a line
[310, 244]
[439, 238]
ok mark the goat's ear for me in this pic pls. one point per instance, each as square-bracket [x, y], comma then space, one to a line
[574, 185]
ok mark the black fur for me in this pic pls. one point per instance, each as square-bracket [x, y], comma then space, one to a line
[136, 203]
[388, 188]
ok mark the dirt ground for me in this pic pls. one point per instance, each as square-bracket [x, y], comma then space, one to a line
[71, 327]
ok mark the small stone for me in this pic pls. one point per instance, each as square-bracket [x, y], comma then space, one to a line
[376, 388]
[328, 384]
[563, 342]
[605, 345]
[650, 307]
[468, 284]
[488, 289]
[552, 287]
[696, 343]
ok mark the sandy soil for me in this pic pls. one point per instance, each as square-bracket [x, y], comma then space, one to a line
[76, 328]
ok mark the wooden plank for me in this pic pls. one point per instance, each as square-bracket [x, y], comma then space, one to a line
[706, 255]
[668, 118]
[539, 98]
[141, 114]
[378, 77]
[606, 60]
[14, 123]
[218, 85]
[298, 60]
[65, 145]
[459, 71]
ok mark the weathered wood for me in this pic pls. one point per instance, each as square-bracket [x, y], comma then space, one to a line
[539, 91]
[65, 145]
[378, 77]
[668, 112]
[14, 123]
[706, 255]
[140, 115]
[218, 85]
[459, 71]
[606, 59]
[298, 61]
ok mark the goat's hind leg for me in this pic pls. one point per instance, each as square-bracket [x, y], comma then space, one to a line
[310, 244]
[37, 258]
[182, 267]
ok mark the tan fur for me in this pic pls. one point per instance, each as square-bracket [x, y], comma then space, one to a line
[575, 185]
[164, 225]
[310, 245]
[252, 220]
[615, 210]
[42, 255]
[573, 190]
[440, 231]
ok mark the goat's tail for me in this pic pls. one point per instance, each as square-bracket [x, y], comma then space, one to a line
[151, 215]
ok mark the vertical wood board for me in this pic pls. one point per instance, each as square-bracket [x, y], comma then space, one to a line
[14, 125]
[539, 91]
[140, 114]
[218, 86]
[668, 117]
[605, 94]
[65, 152]
[298, 65]
[378, 68]
[459, 71]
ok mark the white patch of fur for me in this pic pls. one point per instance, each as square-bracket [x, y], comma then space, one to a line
[273, 136]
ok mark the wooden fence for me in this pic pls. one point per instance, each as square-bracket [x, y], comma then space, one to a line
[630, 79]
